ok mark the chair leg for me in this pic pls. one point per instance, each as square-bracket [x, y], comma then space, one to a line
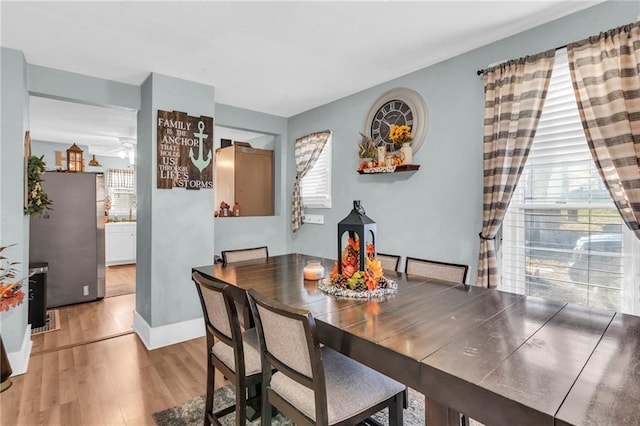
[266, 409]
[211, 374]
[395, 410]
[241, 405]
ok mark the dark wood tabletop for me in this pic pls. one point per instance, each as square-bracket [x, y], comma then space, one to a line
[501, 358]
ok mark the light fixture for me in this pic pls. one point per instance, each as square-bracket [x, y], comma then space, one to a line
[75, 162]
[127, 149]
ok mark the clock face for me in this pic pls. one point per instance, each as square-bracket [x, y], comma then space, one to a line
[399, 106]
[394, 112]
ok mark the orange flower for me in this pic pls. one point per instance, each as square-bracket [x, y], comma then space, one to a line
[371, 283]
[353, 243]
[334, 272]
[369, 249]
[374, 268]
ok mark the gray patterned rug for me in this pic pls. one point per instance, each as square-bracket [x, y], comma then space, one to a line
[191, 413]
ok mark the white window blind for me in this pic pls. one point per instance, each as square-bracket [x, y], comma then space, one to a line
[563, 238]
[121, 187]
[315, 186]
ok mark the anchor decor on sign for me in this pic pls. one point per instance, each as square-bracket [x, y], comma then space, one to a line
[184, 153]
[199, 162]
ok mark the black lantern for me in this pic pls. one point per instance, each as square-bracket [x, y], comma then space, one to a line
[75, 162]
[357, 224]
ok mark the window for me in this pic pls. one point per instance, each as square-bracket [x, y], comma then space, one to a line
[121, 187]
[563, 238]
[315, 186]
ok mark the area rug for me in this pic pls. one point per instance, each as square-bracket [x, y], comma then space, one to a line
[191, 413]
[113, 290]
[52, 323]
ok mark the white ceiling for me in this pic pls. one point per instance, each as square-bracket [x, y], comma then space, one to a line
[281, 58]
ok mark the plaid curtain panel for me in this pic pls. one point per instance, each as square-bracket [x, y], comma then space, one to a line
[514, 95]
[605, 71]
[307, 150]
[122, 179]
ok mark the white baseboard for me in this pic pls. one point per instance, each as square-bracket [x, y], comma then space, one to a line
[165, 335]
[19, 361]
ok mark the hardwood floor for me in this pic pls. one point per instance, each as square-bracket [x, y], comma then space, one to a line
[120, 279]
[79, 375]
[87, 322]
[111, 382]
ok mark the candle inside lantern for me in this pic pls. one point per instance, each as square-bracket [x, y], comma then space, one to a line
[313, 270]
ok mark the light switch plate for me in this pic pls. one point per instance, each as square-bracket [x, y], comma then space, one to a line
[315, 219]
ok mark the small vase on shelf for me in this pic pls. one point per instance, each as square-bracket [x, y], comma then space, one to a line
[406, 153]
[382, 152]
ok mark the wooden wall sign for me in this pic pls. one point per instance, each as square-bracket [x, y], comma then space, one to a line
[185, 150]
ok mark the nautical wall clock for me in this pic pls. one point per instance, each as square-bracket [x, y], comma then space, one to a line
[397, 106]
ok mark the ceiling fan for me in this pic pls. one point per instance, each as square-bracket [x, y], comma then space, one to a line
[125, 150]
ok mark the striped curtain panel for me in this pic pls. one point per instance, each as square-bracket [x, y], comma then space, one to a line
[514, 95]
[307, 150]
[122, 179]
[605, 70]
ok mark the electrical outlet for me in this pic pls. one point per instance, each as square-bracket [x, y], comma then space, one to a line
[85, 290]
[316, 219]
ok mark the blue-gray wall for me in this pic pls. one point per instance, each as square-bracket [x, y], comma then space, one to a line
[14, 225]
[175, 226]
[435, 212]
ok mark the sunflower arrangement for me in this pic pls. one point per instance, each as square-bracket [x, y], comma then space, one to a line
[400, 134]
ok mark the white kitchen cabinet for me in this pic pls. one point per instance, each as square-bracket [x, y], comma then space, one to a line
[120, 243]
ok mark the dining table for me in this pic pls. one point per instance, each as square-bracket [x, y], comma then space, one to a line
[497, 357]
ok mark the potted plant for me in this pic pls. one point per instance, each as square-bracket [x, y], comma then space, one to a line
[37, 201]
[402, 135]
[11, 295]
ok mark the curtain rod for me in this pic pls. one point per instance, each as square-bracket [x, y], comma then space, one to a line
[480, 72]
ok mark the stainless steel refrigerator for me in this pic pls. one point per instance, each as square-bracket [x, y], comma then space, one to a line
[71, 239]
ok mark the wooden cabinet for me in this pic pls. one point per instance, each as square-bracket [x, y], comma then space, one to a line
[120, 243]
[244, 175]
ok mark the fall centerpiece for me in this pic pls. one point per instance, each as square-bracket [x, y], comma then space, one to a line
[358, 273]
[11, 295]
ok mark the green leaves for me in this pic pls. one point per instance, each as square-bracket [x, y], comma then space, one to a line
[37, 200]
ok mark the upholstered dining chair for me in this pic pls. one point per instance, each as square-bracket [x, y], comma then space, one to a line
[230, 256]
[388, 261]
[452, 272]
[313, 384]
[235, 354]
[239, 255]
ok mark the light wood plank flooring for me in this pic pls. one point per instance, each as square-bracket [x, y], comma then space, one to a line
[120, 279]
[114, 381]
[86, 322]
[111, 382]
